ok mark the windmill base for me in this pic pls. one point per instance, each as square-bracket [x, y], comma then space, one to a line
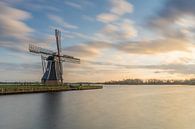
[51, 82]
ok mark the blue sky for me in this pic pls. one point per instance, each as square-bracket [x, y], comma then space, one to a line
[115, 39]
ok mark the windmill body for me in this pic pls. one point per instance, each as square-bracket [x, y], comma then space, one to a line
[52, 62]
[51, 74]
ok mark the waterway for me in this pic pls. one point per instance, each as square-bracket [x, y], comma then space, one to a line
[113, 107]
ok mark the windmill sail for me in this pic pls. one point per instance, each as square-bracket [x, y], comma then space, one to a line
[70, 59]
[58, 43]
[39, 50]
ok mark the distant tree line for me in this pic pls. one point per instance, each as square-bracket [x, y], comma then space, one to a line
[119, 82]
[152, 82]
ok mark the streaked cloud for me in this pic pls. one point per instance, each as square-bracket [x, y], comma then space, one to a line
[42, 7]
[155, 46]
[107, 17]
[13, 30]
[60, 22]
[11, 21]
[150, 47]
[87, 50]
[73, 4]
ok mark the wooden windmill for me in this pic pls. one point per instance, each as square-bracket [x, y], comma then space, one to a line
[52, 61]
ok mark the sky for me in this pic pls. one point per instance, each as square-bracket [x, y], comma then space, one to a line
[115, 39]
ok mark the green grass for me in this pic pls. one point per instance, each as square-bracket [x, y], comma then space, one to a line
[11, 89]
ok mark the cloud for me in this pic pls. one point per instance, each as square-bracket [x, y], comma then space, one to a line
[175, 8]
[121, 7]
[14, 32]
[175, 24]
[87, 50]
[118, 8]
[119, 31]
[176, 15]
[185, 69]
[74, 5]
[107, 17]
[11, 21]
[186, 21]
[139, 47]
[116, 27]
[60, 22]
[66, 34]
[100, 71]
[155, 46]
[73, 35]
[39, 6]
[149, 47]
[80, 5]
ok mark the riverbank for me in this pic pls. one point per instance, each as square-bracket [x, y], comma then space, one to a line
[15, 89]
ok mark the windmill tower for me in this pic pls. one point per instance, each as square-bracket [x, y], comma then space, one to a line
[52, 61]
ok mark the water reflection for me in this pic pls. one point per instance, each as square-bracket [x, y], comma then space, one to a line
[137, 107]
[50, 114]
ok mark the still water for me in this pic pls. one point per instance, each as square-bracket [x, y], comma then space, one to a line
[114, 107]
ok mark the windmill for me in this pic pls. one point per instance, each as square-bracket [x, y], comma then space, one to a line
[52, 61]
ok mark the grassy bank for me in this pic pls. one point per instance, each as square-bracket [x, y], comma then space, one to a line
[17, 89]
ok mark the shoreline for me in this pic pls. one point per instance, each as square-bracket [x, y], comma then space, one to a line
[8, 90]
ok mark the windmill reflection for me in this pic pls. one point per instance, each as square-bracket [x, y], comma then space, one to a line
[52, 107]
